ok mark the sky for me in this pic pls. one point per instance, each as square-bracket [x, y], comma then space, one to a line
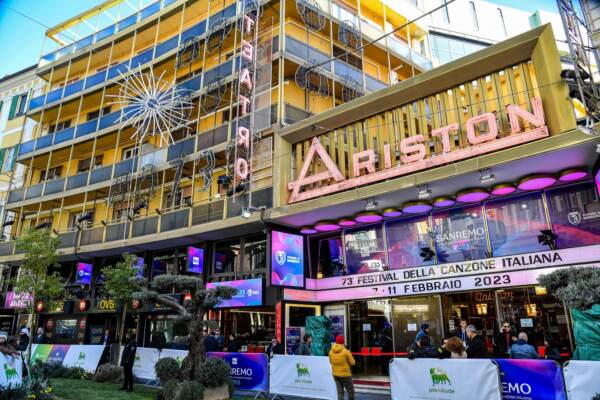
[21, 39]
[530, 5]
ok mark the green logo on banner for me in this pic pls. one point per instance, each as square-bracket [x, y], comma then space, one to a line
[302, 370]
[439, 376]
[11, 373]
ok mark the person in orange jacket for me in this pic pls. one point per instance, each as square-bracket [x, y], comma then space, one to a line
[341, 365]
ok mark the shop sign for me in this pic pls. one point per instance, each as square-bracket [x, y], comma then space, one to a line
[18, 300]
[477, 267]
[307, 376]
[248, 371]
[581, 378]
[278, 317]
[413, 152]
[106, 305]
[424, 287]
[532, 380]
[431, 379]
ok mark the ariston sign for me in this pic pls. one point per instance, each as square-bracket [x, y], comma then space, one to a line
[413, 154]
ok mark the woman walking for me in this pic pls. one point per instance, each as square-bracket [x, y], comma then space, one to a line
[341, 365]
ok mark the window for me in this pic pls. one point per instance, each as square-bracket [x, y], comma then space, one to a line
[406, 239]
[18, 105]
[46, 221]
[52, 173]
[474, 20]
[346, 57]
[502, 23]
[459, 235]
[365, 250]
[84, 165]
[98, 113]
[59, 126]
[9, 160]
[575, 215]
[445, 12]
[226, 256]
[87, 222]
[183, 197]
[129, 153]
[255, 254]
[515, 224]
[329, 257]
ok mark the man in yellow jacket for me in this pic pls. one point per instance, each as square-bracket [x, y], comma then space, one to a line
[341, 364]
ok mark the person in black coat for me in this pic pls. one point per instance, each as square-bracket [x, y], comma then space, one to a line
[211, 344]
[23, 342]
[40, 337]
[552, 349]
[503, 340]
[476, 348]
[234, 344]
[127, 360]
[424, 349]
[274, 348]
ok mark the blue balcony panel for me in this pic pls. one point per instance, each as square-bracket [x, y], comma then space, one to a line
[44, 141]
[180, 148]
[34, 191]
[64, 51]
[73, 88]
[77, 181]
[141, 58]
[100, 174]
[117, 70]
[16, 195]
[374, 84]
[49, 57]
[36, 102]
[150, 10]
[303, 52]
[64, 135]
[95, 79]
[169, 2]
[54, 95]
[54, 186]
[226, 13]
[190, 86]
[218, 72]
[26, 147]
[85, 42]
[343, 70]
[86, 128]
[106, 32]
[195, 30]
[164, 47]
[109, 119]
[123, 167]
[127, 22]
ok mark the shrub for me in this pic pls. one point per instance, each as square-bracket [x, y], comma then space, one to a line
[14, 392]
[168, 390]
[108, 373]
[166, 369]
[55, 370]
[213, 372]
[189, 390]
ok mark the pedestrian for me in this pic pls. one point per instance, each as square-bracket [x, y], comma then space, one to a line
[476, 347]
[220, 339]
[503, 340]
[23, 342]
[341, 365]
[521, 349]
[462, 332]
[5, 347]
[127, 360]
[455, 347]
[210, 343]
[552, 350]
[424, 349]
[274, 348]
[40, 337]
[106, 338]
[424, 331]
[234, 344]
[306, 346]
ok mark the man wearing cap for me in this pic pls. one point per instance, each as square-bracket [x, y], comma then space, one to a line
[341, 365]
[23, 339]
[6, 348]
[424, 331]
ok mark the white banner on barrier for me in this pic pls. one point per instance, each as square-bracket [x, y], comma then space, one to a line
[305, 376]
[83, 356]
[145, 360]
[581, 379]
[433, 379]
[11, 373]
[178, 355]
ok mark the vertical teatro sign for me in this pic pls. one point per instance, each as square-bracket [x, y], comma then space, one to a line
[244, 133]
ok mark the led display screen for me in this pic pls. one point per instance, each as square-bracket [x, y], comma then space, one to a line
[195, 260]
[287, 259]
[139, 267]
[84, 273]
[249, 294]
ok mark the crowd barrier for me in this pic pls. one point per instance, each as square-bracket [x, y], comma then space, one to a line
[582, 379]
[82, 356]
[11, 371]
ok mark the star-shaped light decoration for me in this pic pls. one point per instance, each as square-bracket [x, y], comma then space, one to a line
[154, 106]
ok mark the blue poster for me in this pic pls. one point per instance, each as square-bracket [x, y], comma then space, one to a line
[84, 273]
[195, 260]
[531, 380]
[287, 259]
[249, 371]
[292, 340]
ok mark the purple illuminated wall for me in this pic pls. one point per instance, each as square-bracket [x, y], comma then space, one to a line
[250, 292]
[287, 259]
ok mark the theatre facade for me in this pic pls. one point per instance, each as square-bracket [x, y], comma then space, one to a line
[441, 198]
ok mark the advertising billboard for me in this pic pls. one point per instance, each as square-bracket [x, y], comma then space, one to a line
[250, 293]
[84, 273]
[249, 371]
[195, 260]
[287, 259]
[139, 267]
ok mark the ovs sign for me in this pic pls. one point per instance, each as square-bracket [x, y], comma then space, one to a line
[413, 154]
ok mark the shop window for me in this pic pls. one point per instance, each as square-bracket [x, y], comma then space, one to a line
[459, 235]
[255, 254]
[409, 313]
[328, 257]
[170, 334]
[65, 329]
[575, 215]
[226, 257]
[406, 241]
[515, 225]
[365, 250]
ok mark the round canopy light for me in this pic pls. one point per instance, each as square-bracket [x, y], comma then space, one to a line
[391, 212]
[536, 182]
[443, 201]
[307, 230]
[346, 222]
[416, 207]
[503, 189]
[326, 226]
[572, 175]
[367, 217]
[472, 195]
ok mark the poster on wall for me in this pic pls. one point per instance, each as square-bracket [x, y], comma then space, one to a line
[287, 259]
[249, 293]
[249, 371]
[292, 340]
[195, 260]
[531, 379]
[84, 273]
